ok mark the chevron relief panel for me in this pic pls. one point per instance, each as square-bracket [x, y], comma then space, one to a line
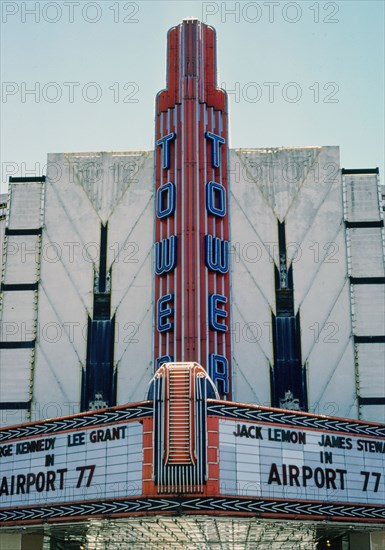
[279, 173]
[316, 231]
[105, 177]
[253, 235]
[316, 212]
[131, 263]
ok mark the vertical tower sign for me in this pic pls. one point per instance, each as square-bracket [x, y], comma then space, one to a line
[192, 279]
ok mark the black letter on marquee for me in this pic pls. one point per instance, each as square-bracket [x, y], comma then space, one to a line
[49, 460]
[274, 475]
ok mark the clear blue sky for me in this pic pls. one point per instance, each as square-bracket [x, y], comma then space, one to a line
[328, 55]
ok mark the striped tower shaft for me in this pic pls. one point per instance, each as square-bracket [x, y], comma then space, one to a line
[192, 279]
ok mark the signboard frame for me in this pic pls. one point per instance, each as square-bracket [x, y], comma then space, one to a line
[212, 500]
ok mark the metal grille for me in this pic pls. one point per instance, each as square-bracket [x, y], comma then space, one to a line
[180, 414]
[180, 428]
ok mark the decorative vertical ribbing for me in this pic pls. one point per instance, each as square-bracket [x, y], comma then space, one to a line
[179, 392]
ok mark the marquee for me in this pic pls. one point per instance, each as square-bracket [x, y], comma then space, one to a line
[226, 457]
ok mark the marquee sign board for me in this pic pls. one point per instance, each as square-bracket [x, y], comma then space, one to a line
[258, 460]
[78, 465]
[282, 462]
[82, 458]
[300, 463]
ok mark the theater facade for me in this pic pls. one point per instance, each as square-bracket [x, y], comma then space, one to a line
[192, 340]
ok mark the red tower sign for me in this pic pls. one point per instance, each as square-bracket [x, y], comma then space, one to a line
[192, 279]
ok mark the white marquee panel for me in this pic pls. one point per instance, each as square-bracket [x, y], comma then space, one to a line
[266, 465]
[88, 464]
